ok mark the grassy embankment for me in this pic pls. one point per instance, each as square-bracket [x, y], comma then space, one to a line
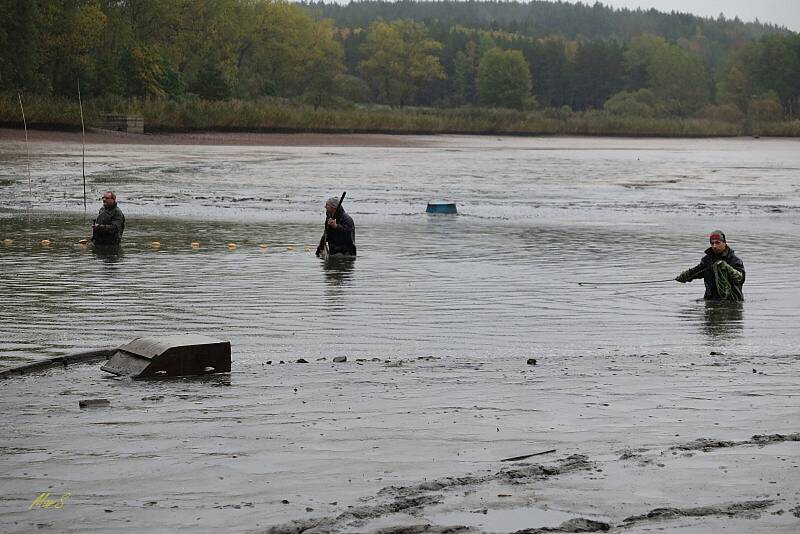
[270, 115]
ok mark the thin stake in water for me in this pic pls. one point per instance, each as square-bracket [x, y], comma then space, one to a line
[83, 149]
[27, 150]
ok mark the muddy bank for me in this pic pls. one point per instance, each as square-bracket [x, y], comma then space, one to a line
[410, 445]
[100, 136]
[428, 507]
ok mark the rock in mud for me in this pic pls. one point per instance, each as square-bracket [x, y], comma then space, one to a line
[761, 439]
[424, 528]
[579, 524]
[90, 403]
[745, 507]
[705, 444]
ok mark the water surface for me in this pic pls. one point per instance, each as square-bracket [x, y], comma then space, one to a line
[536, 216]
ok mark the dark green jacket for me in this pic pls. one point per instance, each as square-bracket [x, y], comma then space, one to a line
[109, 226]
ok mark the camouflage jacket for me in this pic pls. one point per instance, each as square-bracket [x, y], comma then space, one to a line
[109, 226]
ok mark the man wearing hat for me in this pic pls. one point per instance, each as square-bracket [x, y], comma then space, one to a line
[340, 233]
[721, 270]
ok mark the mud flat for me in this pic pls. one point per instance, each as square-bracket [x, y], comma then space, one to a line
[101, 136]
[642, 442]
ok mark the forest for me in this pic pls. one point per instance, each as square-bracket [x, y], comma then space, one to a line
[398, 66]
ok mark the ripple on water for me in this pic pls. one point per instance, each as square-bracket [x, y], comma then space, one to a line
[535, 218]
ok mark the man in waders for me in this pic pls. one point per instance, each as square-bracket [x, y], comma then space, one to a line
[109, 225]
[721, 270]
[340, 234]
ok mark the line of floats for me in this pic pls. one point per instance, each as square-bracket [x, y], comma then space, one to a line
[435, 207]
[195, 245]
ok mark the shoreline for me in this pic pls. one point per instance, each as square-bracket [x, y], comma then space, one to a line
[300, 139]
[111, 137]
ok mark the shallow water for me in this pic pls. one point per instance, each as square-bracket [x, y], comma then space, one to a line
[504, 520]
[536, 216]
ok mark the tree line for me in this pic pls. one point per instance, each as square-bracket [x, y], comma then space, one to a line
[445, 54]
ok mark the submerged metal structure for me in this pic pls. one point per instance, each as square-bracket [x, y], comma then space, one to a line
[58, 361]
[441, 206]
[176, 355]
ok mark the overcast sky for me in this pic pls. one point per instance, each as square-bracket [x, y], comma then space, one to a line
[782, 12]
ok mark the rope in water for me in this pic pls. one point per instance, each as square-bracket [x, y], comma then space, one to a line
[625, 283]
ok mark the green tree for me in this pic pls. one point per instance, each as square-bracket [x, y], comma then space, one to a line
[323, 82]
[639, 54]
[551, 59]
[734, 87]
[597, 74]
[465, 72]
[72, 32]
[675, 76]
[19, 50]
[203, 42]
[773, 63]
[149, 75]
[504, 79]
[278, 47]
[679, 79]
[400, 58]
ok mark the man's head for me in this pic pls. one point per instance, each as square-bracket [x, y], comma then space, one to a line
[109, 199]
[718, 241]
[330, 206]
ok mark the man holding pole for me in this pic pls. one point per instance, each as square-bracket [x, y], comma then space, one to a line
[340, 231]
[109, 225]
[721, 270]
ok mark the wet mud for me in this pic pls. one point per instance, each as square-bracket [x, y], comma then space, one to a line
[744, 509]
[414, 499]
[415, 502]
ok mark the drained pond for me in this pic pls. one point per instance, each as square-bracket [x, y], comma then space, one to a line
[439, 318]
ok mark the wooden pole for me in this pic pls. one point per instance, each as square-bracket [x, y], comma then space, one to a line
[27, 150]
[83, 147]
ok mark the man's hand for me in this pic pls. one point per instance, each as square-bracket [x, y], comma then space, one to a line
[720, 263]
[683, 277]
[332, 224]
